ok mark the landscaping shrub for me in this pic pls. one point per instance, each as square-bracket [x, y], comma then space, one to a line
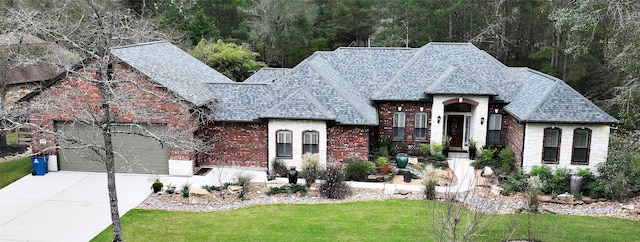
[542, 171]
[310, 169]
[289, 189]
[279, 168]
[487, 158]
[506, 161]
[185, 189]
[426, 149]
[334, 186]
[382, 152]
[430, 188]
[211, 188]
[381, 161]
[415, 151]
[436, 148]
[533, 190]
[558, 182]
[618, 176]
[358, 170]
[587, 179]
[243, 180]
[516, 182]
[388, 144]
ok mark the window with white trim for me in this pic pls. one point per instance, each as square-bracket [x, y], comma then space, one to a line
[494, 128]
[420, 126]
[581, 144]
[398, 125]
[284, 147]
[310, 142]
[551, 145]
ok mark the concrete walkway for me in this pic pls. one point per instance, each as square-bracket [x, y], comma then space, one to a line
[65, 206]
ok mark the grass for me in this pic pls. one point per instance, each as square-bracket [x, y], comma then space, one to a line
[13, 170]
[387, 220]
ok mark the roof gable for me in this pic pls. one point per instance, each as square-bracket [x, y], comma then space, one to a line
[298, 105]
[173, 68]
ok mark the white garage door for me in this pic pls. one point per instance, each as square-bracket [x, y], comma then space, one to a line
[134, 153]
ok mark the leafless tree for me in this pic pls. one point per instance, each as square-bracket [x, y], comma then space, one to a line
[101, 89]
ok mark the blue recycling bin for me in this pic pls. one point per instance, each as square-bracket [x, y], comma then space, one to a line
[40, 165]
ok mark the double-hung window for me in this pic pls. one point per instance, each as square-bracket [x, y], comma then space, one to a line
[398, 125]
[420, 126]
[495, 127]
[284, 147]
[581, 140]
[310, 142]
[551, 144]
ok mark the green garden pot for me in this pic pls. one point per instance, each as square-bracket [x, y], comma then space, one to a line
[402, 160]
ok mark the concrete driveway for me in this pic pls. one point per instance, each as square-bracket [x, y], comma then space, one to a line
[65, 206]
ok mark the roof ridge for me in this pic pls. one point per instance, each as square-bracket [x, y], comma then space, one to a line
[546, 95]
[400, 72]
[139, 44]
[331, 83]
[307, 96]
[441, 78]
[315, 103]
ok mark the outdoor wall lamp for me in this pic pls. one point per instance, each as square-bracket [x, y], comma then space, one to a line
[439, 118]
[399, 109]
[482, 120]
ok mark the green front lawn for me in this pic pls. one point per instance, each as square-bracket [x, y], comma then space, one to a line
[387, 220]
[13, 170]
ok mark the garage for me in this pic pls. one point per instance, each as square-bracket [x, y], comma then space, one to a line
[133, 153]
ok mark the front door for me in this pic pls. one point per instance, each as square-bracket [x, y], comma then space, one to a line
[455, 130]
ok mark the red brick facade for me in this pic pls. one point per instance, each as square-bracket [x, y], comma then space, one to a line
[345, 142]
[235, 143]
[385, 115]
[135, 100]
[513, 136]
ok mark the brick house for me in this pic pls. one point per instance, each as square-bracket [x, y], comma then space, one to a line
[335, 103]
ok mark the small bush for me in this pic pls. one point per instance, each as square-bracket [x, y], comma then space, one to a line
[310, 170]
[487, 158]
[415, 151]
[587, 179]
[288, 189]
[558, 182]
[334, 186]
[381, 161]
[358, 170]
[436, 148]
[185, 189]
[516, 182]
[211, 188]
[426, 149]
[279, 168]
[542, 171]
[506, 161]
[382, 152]
[533, 190]
[171, 188]
[439, 157]
[157, 186]
[430, 188]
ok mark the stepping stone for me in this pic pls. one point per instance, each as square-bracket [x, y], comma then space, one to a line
[198, 196]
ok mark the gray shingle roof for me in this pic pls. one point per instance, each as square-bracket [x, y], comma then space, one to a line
[266, 75]
[173, 68]
[548, 99]
[340, 85]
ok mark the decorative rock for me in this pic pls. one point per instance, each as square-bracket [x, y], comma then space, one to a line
[234, 188]
[403, 192]
[566, 197]
[198, 196]
[628, 207]
[496, 189]
[544, 198]
[413, 160]
[487, 171]
[276, 183]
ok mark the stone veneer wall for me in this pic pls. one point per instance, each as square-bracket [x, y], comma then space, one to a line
[345, 142]
[235, 144]
[385, 117]
[513, 136]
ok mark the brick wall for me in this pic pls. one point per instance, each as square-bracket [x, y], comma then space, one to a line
[136, 100]
[235, 143]
[344, 142]
[513, 136]
[385, 116]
